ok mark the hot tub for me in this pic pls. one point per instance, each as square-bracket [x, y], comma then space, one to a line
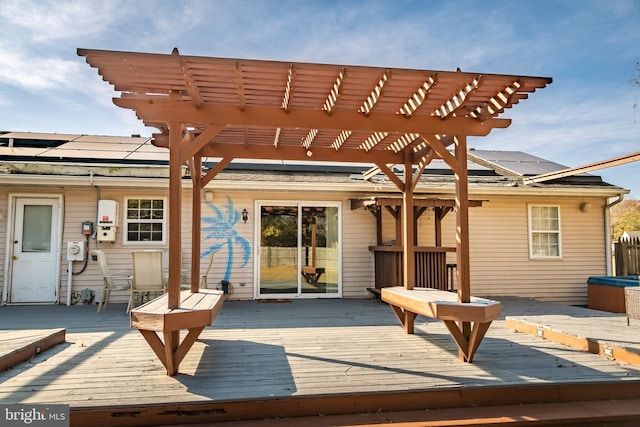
[606, 293]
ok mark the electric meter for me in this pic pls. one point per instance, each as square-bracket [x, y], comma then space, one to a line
[75, 251]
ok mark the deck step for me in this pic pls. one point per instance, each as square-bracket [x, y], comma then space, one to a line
[625, 412]
[583, 414]
[619, 413]
[17, 346]
[620, 351]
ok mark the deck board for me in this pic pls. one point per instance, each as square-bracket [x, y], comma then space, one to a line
[303, 348]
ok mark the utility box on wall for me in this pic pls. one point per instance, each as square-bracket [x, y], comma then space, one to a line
[75, 251]
[107, 220]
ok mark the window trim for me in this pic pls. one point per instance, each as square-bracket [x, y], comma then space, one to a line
[531, 231]
[126, 222]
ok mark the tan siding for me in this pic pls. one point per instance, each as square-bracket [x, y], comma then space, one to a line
[500, 263]
[358, 233]
[79, 205]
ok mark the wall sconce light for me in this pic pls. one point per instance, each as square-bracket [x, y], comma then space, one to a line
[245, 216]
[584, 207]
[208, 196]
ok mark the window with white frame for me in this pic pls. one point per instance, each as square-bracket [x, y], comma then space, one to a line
[145, 220]
[544, 231]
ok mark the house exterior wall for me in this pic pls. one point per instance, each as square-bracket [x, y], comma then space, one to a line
[499, 244]
[500, 263]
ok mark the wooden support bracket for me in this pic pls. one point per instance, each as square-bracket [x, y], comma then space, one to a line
[467, 347]
[171, 351]
[154, 319]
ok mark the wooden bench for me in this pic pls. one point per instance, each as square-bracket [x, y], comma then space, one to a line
[467, 322]
[196, 312]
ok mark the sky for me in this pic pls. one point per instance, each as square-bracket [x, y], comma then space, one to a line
[591, 49]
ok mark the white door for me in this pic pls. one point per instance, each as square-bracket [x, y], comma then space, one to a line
[34, 258]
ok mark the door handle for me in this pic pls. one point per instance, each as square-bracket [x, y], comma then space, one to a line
[15, 257]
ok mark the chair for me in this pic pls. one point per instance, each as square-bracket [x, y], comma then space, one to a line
[109, 281]
[147, 274]
[165, 270]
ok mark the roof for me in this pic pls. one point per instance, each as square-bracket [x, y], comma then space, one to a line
[134, 156]
[245, 108]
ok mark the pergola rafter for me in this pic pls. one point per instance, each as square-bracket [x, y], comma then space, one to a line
[250, 109]
[457, 101]
[288, 91]
[376, 93]
[335, 93]
[417, 99]
[240, 86]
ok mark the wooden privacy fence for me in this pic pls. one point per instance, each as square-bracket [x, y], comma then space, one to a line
[627, 253]
[431, 267]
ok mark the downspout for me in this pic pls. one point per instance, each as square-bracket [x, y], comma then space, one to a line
[607, 233]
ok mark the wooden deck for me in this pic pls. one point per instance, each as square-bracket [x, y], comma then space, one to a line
[329, 356]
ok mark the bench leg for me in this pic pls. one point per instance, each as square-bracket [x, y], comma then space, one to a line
[172, 351]
[467, 336]
[407, 318]
[171, 342]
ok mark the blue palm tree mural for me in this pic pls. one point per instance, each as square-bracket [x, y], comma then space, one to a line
[220, 229]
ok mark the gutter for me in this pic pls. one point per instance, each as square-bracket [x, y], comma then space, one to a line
[448, 189]
[79, 169]
[607, 233]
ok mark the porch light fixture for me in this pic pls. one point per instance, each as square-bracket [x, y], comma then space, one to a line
[245, 216]
[584, 207]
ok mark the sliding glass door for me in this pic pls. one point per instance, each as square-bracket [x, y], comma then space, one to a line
[299, 250]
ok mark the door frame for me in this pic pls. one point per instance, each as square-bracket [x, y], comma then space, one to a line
[258, 247]
[11, 220]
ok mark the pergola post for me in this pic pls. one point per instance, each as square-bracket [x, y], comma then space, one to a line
[408, 259]
[175, 214]
[196, 225]
[462, 235]
[462, 220]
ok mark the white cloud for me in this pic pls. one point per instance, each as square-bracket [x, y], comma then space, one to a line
[49, 21]
[36, 73]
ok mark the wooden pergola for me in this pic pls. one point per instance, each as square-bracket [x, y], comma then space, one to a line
[229, 109]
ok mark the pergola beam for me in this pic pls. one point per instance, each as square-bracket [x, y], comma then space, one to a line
[164, 110]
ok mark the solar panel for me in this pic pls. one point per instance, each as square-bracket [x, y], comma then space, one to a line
[517, 162]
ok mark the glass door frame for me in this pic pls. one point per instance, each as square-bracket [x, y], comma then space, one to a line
[258, 204]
